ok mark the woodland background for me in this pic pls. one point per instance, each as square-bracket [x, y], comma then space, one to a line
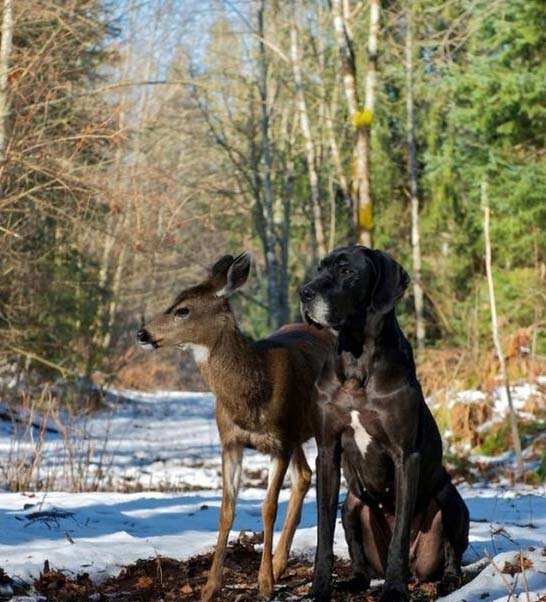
[140, 140]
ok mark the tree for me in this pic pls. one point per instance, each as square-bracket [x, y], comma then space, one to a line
[361, 120]
[495, 328]
[412, 177]
[308, 138]
[5, 54]
[57, 142]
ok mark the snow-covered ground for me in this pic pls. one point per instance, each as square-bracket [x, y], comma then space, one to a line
[157, 441]
[169, 440]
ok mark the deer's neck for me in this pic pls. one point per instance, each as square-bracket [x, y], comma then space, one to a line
[234, 371]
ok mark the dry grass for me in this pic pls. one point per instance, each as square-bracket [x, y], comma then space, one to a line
[458, 368]
[75, 462]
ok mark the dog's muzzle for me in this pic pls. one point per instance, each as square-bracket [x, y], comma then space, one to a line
[315, 312]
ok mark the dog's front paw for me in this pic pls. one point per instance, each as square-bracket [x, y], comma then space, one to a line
[356, 584]
[449, 583]
[394, 593]
[321, 590]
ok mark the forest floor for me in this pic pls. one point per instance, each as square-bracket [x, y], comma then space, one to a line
[147, 534]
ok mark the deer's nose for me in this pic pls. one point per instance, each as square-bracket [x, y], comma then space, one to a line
[143, 336]
[307, 294]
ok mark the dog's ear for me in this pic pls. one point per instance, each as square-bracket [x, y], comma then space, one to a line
[236, 273]
[391, 281]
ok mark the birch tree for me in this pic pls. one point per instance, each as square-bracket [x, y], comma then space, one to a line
[307, 137]
[361, 119]
[5, 54]
[271, 256]
[495, 327]
[412, 176]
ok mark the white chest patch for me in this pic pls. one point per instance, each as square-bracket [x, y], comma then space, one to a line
[362, 438]
[200, 352]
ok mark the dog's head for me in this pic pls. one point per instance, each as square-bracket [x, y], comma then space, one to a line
[351, 282]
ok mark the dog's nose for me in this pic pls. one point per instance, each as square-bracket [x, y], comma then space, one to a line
[143, 336]
[307, 293]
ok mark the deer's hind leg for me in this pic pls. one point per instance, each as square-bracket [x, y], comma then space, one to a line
[300, 475]
[277, 471]
[232, 458]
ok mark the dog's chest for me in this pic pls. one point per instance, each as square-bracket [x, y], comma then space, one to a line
[361, 427]
[362, 438]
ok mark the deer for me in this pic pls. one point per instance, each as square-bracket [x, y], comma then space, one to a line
[265, 400]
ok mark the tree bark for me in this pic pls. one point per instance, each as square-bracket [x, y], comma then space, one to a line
[271, 257]
[495, 329]
[420, 332]
[5, 54]
[362, 120]
[308, 139]
[287, 193]
[329, 100]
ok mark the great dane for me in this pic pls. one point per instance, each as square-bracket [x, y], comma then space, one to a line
[402, 513]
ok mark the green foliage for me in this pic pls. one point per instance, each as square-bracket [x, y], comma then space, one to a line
[480, 113]
[499, 440]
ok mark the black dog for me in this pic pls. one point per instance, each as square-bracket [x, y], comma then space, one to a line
[402, 512]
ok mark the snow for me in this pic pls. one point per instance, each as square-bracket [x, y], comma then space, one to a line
[168, 440]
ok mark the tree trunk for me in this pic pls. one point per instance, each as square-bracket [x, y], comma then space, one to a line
[308, 139]
[414, 198]
[362, 120]
[5, 53]
[495, 329]
[329, 101]
[271, 257]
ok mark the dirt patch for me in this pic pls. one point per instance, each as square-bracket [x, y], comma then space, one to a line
[166, 580]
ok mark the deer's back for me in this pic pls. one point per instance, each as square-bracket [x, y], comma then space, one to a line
[295, 355]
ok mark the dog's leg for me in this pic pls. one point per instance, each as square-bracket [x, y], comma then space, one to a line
[277, 471]
[232, 458]
[455, 521]
[351, 516]
[397, 573]
[427, 548]
[328, 477]
[300, 473]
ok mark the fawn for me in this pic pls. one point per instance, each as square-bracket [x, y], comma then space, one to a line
[265, 400]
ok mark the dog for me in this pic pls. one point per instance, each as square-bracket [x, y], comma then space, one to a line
[402, 512]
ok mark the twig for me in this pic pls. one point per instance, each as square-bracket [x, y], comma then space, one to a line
[509, 587]
[42, 360]
[524, 574]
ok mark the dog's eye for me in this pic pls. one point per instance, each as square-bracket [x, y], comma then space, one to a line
[344, 271]
[181, 312]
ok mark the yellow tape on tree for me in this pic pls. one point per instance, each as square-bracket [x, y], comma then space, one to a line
[365, 217]
[363, 118]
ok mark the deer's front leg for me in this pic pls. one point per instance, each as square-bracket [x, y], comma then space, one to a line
[232, 458]
[328, 477]
[300, 474]
[397, 573]
[277, 471]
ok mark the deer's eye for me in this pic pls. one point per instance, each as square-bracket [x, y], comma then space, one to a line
[181, 312]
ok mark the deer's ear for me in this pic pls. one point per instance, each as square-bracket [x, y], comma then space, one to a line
[218, 273]
[221, 266]
[391, 282]
[237, 274]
